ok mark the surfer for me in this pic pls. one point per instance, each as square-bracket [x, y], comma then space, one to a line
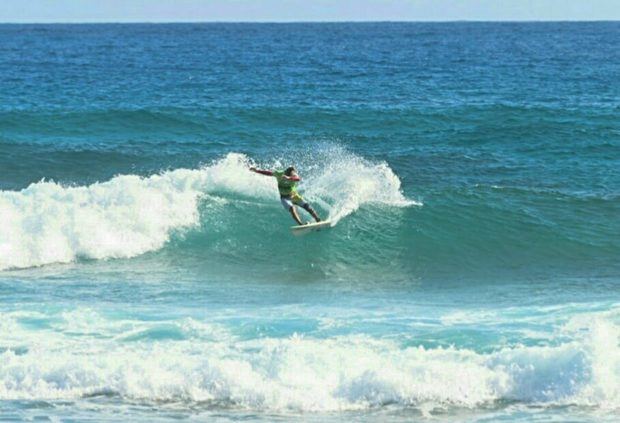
[289, 197]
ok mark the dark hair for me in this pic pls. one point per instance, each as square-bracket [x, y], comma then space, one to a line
[289, 170]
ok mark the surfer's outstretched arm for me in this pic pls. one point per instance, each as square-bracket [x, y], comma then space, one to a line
[262, 172]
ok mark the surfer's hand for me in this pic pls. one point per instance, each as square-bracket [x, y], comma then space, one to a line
[252, 169]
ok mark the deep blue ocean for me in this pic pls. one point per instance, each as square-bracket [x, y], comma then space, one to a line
[471, 172]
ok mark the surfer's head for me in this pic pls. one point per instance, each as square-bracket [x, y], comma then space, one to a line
[290, 170]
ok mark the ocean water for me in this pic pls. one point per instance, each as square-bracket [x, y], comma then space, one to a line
[471, 171]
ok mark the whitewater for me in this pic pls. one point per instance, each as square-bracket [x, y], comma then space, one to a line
[209, 364]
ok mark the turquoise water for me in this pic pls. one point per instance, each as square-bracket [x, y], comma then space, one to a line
[470, 170]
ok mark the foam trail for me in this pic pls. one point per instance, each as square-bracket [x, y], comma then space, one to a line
[130, 215]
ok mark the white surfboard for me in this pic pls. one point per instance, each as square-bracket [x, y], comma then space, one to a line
[310, 227]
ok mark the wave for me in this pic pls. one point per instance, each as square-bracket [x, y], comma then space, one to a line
[309, 374]
[217, 212]
[130, 215]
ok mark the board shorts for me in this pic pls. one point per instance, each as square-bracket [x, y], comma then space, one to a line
[296, 199]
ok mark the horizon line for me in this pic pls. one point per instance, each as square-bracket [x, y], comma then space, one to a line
[155, 22]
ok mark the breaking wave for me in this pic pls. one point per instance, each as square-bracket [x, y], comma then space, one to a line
[130, 215]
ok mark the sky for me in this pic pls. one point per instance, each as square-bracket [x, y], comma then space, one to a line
[19, 11]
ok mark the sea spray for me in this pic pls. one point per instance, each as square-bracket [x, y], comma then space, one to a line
[342, 181]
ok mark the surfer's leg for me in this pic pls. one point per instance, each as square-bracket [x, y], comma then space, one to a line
[287, 203]
[295, 215]
[310, 210]
[299, 200]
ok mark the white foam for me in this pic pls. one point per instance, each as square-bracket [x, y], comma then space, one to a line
[130, 215]
[124, 217]
[304, 374]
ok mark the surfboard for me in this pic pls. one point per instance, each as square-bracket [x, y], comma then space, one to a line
[310, 227]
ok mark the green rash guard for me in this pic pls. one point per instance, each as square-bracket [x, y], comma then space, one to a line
[285, 186]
